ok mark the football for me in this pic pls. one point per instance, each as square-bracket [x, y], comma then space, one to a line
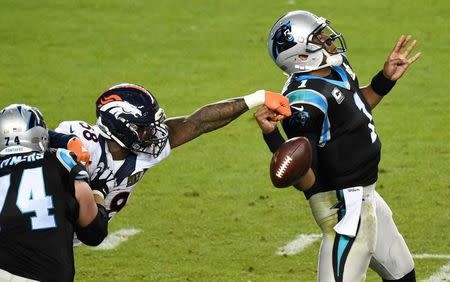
[290, 162]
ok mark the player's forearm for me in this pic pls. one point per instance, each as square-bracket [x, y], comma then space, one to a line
[214, 116]
[273, 139]
[203, 120]
[97, 230]
[379, 87]
[371, 97]
[92, 223]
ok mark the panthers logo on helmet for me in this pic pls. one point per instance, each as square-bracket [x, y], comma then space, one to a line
[302, 42]
[282, 39]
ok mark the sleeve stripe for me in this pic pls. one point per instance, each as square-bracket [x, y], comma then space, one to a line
[82, 175]
[68, 162]
[309, 97]
[313, 98]
[65, 159]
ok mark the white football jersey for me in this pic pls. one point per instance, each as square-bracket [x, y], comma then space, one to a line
[120, 177]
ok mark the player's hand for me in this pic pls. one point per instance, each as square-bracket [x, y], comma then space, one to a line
[100, 192]
[397, 63]
[266, 119]
[76, 146]
[278, 103]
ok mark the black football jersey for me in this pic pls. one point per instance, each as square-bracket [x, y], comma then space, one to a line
[38, 211]
[333, 114]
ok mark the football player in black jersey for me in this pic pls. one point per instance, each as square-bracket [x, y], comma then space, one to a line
[334, 113]
[44, 198]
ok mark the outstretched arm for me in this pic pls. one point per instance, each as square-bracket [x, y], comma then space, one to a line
[394, 67]
[213, 116]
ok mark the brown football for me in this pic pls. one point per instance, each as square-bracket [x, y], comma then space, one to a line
[290, 162]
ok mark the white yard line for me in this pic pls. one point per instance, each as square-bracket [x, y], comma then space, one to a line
[114, 239]
[296, 246]
[442, 275]
[300, 243]
[303, 241]
[431, 256]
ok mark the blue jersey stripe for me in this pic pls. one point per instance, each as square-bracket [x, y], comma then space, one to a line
[314, 98]
[344, 83]
[343, 75]
[307, 96]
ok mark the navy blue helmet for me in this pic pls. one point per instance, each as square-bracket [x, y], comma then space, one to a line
[130, 115]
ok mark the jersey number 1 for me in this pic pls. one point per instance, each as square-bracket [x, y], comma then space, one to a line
[31, 197]
[359, 103]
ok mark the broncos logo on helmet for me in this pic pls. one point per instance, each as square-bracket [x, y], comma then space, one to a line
[119, 108]
[130, 115]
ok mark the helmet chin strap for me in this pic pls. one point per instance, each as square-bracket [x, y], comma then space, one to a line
[332, 60]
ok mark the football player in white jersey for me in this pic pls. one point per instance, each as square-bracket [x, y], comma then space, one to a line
[132, 134]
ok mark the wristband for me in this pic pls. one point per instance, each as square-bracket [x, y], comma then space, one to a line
[255, 99]
[273, 139]
[381, 85]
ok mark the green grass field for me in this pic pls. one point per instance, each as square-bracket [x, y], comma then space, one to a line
[209, 212]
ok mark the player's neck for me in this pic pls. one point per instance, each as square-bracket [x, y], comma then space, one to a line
[321, 72]
[117, 152]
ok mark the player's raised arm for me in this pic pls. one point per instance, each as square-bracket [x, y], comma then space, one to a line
[394, 67]
[213, 116]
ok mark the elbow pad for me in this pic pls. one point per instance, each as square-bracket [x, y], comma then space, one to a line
[96, 231]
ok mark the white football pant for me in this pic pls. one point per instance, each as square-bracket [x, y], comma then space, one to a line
[377, 243]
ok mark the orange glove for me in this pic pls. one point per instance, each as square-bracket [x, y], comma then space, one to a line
[278, 103]
[274, 101]
[76, 146]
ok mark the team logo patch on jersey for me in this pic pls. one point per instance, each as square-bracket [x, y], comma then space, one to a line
[300, 116]
[133, 179]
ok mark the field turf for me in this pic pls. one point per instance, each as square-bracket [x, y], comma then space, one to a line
[209, 212]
